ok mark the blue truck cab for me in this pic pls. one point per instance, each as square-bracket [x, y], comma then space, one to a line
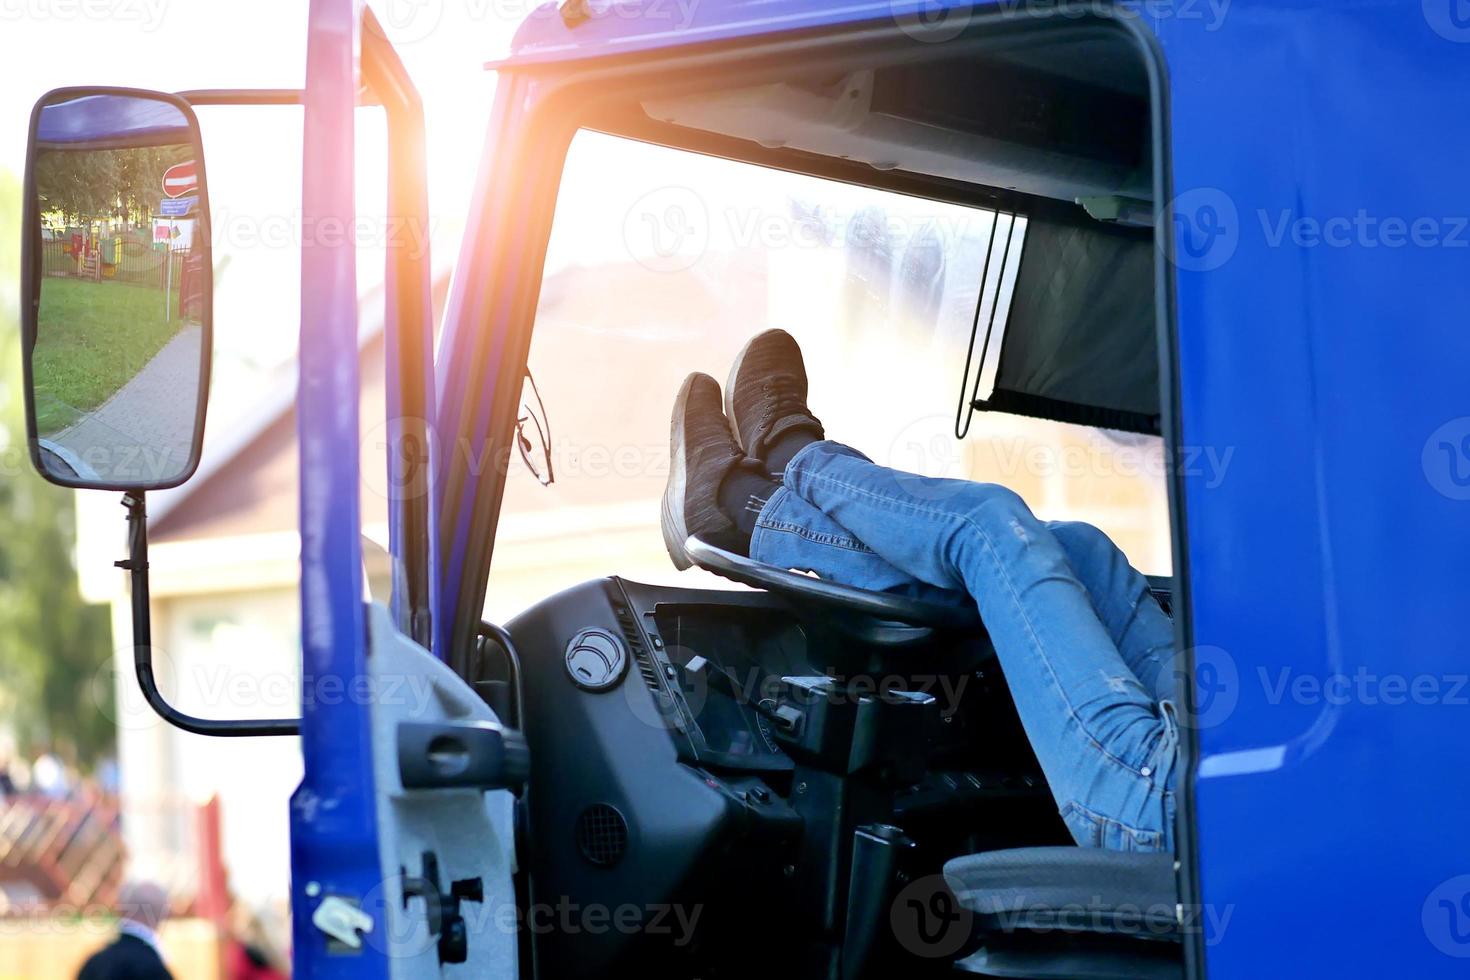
[1231, 233]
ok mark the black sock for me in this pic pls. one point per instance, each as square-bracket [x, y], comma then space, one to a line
[742, 494]
[787, 446]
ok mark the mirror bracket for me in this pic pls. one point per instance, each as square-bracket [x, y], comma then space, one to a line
[136, 564]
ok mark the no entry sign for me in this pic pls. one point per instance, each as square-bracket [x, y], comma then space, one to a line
[180, 179]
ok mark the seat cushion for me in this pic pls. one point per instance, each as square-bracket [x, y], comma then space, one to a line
[1049, 956]
[1075, 889]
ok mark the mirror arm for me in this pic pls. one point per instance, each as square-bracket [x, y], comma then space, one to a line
[136, 565]
[244, 96]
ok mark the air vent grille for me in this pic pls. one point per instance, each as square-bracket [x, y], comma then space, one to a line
[602, 835]
[634, 636]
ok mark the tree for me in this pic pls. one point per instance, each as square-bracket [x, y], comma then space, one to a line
[93, 185]
[53, 646]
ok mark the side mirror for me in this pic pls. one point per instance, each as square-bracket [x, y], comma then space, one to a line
[116, 258]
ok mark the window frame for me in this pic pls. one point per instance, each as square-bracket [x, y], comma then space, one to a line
[560, 101]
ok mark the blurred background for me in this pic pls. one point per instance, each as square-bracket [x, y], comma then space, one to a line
[94, 790]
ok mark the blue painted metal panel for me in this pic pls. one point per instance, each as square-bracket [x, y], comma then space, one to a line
[1318, 153]
[646, 25]
[408, 344]
[82, 120]
[491, 268]
[334, 841]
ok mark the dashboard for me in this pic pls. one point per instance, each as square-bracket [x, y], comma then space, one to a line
[717, 749]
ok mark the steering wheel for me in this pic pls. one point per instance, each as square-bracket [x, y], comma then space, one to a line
[886, 618]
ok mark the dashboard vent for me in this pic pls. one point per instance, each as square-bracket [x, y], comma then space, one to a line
[602, 835]
[634, 636]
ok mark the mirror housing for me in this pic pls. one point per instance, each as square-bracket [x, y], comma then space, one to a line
[117, 322]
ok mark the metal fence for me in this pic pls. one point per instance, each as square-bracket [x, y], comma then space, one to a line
[114, 260]
[127, 259]
[59, 851]
[69, 852]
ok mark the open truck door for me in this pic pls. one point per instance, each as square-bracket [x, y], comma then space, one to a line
[395, 839]
[402, 827]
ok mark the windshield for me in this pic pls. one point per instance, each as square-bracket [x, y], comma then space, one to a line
[662, 262]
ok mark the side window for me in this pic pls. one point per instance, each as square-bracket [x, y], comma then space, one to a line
[663, 262]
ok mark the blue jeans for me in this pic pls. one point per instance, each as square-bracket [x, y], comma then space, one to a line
[1086, 651]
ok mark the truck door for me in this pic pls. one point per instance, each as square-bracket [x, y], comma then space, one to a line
[401, 830]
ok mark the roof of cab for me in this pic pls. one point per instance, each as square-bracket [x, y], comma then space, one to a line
[579, 29]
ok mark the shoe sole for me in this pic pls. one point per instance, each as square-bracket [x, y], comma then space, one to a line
[674, 530]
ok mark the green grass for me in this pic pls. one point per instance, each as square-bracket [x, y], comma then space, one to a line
[91, 339]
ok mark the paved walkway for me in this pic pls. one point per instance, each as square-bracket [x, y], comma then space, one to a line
[145, 431]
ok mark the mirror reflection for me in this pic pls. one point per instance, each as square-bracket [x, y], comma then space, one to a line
[120, 343]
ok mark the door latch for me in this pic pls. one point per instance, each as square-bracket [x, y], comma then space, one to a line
[342, 921]
[442, 909]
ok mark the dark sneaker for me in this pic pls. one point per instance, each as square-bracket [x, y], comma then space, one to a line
[765, 397]
[701, 453]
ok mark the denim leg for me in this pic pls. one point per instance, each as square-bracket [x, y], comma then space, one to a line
[1142, 632]
[791, 533]
[1107, 747]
